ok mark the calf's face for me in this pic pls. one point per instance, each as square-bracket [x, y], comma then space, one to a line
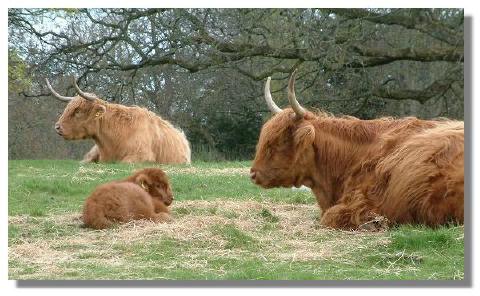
[156, 183]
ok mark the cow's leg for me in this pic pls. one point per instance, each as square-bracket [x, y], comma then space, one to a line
[338, 217]
[355, 215]
[323, 199]
[92, 156]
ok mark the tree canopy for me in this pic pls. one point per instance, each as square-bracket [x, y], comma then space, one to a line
[204, 69]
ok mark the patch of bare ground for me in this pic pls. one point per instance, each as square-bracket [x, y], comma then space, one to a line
[282, 232]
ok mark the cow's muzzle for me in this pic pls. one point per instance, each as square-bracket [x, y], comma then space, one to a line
[58, 129]
[256, 177]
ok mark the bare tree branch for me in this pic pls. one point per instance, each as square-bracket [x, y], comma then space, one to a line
[417, 19]
[437, 88]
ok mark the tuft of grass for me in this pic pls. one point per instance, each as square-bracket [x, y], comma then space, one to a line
[157, 251]
[230, 214]
[413, 238]
[37, 212]
[14, 233]
[268, 216]
[234, 237]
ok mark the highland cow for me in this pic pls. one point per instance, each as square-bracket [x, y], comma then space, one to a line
[408, 170]
[144, 195]
[121, 133]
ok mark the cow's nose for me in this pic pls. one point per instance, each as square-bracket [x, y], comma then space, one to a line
[58, 129]
[253, 174]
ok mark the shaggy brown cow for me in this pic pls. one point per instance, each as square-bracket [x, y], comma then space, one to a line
[407, 170]
[121, 133]
[144, 195]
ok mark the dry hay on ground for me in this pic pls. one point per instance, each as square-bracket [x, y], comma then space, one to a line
[292, 235]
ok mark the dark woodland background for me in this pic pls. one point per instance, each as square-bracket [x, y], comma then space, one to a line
[205, 69]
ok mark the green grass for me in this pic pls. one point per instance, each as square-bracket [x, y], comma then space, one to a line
[234, 237]
[224, 228]
[40, 186]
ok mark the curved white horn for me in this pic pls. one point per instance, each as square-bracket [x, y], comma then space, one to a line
[83, 94]
[268, 98]
[292, 98]
[57, 95]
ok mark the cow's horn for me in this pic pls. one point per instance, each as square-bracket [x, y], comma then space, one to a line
[292, 98]
[268, 97]
[83, 94]
[57, 95]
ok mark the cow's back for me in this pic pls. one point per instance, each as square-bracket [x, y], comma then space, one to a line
[171, 145]
[143, 136]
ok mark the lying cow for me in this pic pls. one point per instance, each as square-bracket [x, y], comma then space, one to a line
[407, 170]
[144, 195]
[121, 133]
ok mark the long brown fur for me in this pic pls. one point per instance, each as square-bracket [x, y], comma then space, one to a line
[144, 195]
[121, 133]
[407, 170]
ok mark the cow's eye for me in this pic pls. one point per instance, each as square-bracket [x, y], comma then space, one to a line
[77, 112]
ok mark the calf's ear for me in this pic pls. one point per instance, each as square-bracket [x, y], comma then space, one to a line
[99, 110]
[143, 180]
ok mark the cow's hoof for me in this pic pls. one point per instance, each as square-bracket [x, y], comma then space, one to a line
[379, 223]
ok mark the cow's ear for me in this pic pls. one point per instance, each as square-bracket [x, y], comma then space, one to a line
[143, 180]
[304, 136]
[99, 111]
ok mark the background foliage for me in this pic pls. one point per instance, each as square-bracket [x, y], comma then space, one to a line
[204, 69]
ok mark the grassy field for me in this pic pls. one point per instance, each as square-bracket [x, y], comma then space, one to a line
[224, 228]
